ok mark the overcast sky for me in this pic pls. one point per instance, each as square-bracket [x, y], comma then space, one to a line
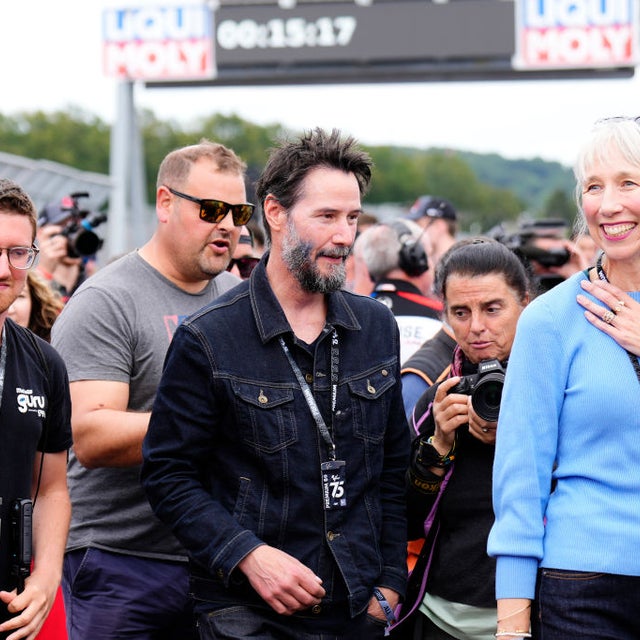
[51, 57]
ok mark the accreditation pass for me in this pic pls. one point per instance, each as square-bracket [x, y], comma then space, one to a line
[333, 484]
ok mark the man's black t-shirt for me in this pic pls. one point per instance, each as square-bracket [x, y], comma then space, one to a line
[33, 395]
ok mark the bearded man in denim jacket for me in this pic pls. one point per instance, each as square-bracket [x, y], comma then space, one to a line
[277, 445]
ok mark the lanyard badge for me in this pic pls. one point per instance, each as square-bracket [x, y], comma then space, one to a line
[334, 484]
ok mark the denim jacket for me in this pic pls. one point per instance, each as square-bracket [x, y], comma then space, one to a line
[232, 456]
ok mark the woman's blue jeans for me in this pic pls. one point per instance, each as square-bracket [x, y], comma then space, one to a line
[576, 605]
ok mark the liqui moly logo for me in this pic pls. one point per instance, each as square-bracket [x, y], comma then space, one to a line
[566, 34]
[156, 43]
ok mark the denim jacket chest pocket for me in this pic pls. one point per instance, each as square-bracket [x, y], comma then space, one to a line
[370, 402]
[265, 415]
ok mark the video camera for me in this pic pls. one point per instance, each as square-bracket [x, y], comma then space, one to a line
[82, 239]
[522, 242]
[78, 224]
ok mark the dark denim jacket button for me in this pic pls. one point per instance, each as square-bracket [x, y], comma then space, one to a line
[316, 609]
[220, 573]
[309, 378]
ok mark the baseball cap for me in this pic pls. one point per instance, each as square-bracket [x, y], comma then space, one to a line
[56, 212]
[431, 207]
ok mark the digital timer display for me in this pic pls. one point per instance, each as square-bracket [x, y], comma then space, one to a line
[291, 33]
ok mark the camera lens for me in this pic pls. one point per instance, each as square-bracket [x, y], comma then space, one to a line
[86, 243]
[487, 395]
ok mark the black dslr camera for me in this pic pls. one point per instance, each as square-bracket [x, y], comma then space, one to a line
[79, 231]
[485, 389]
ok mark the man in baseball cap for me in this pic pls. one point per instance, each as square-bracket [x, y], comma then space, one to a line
[438, 218]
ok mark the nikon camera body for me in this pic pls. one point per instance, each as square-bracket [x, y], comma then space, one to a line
[485, 389]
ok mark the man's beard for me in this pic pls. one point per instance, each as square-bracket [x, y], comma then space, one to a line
[296, 254]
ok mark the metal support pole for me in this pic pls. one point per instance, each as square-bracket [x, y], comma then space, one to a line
[128, 210]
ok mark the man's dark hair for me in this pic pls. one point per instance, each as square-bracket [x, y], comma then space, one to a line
[290, 162]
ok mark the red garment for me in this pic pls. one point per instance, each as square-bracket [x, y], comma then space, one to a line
[55, 626]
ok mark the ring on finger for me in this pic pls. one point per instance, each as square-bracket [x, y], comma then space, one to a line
[619, 306]
[608, 316]
[485, 430]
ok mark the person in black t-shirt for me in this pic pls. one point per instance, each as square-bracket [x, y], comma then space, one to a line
[35, 413]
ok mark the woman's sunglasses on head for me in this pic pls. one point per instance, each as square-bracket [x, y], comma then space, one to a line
[214, 211]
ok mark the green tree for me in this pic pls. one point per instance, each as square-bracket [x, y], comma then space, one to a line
[397, 175]
[485, 189]
[558, 204]
[71, 137]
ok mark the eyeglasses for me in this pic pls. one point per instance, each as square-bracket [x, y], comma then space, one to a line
[245, 265]
[214, 211]
[635, 119]
[21, 257]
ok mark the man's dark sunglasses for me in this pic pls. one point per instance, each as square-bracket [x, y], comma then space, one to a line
[214, 211]
[245, 265]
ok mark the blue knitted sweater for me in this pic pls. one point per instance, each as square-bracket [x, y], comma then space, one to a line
[569, 420]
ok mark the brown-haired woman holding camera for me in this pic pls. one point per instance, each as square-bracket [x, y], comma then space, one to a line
[484, 287]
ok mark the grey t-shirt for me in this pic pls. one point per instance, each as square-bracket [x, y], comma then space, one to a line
[118, 326]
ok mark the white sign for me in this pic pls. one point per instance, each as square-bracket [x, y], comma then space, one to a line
[571, 34]
[156, 43]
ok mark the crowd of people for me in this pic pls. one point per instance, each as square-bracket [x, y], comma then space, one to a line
[320, 425]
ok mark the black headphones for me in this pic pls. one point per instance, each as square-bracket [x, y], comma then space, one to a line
[412, 258]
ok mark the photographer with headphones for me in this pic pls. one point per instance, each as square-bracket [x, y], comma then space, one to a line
[396, 255]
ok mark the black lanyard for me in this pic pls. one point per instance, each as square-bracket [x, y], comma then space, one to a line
[603, 276]
[308, 394]
[3, 360]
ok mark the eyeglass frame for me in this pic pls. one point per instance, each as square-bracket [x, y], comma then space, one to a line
[635, 119]
[236, 262]
[228, 207]
[33, 252]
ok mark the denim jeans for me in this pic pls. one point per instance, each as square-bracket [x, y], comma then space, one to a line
[111, 596]
[238, 623]
[586, 606]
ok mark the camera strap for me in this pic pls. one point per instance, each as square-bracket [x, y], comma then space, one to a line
[3, 360]
[603, 276]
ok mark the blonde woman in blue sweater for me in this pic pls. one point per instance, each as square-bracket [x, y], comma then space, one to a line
[567, 464]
